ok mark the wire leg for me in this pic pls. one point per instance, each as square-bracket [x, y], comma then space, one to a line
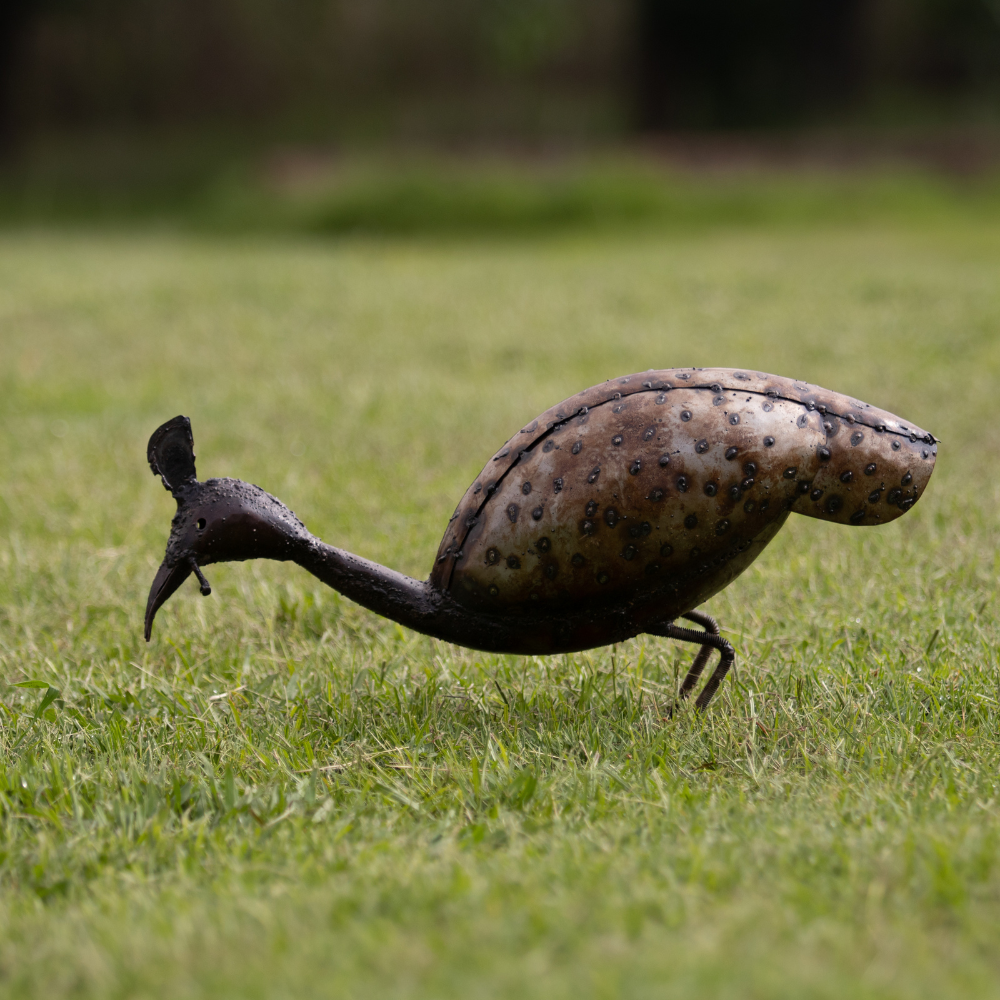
[708, 640]
[711, 627]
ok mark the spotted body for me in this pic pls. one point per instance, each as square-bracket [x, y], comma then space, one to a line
[613, 514]
[670, 483]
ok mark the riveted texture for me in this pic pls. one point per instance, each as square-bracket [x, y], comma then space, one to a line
[664, 486]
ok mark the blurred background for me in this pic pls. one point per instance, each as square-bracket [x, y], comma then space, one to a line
[341, 114]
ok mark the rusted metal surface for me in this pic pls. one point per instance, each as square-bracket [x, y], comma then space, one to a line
[641, 482]
[614, 513]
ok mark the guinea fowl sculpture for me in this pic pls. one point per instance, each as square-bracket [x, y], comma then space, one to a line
[613, 514]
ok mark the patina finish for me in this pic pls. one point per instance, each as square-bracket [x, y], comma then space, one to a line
[612, 514]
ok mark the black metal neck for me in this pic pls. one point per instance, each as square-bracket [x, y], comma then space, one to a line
[413, 603]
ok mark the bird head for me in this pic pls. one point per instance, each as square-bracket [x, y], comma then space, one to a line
[220, 520]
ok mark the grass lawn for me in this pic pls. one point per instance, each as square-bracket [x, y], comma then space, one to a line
[283, 795]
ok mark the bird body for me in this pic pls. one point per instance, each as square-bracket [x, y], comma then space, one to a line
[670, 482]
[613, 513]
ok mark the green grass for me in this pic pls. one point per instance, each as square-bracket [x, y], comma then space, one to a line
[286, 796]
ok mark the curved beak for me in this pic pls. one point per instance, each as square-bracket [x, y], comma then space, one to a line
[168, 578]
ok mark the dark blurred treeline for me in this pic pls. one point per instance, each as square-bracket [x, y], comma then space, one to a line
[478, 68]
[739, 63]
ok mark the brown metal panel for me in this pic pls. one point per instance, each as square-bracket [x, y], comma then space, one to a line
[621, 488]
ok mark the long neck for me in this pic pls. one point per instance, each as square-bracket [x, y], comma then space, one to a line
[410, 602]
[419, 605]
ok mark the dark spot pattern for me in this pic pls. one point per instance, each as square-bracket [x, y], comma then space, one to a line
[512, 511]
[513, 562]
[655, 446]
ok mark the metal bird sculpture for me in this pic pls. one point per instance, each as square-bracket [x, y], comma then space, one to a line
[615, 513]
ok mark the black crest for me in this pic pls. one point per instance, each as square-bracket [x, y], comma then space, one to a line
[170, 453]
